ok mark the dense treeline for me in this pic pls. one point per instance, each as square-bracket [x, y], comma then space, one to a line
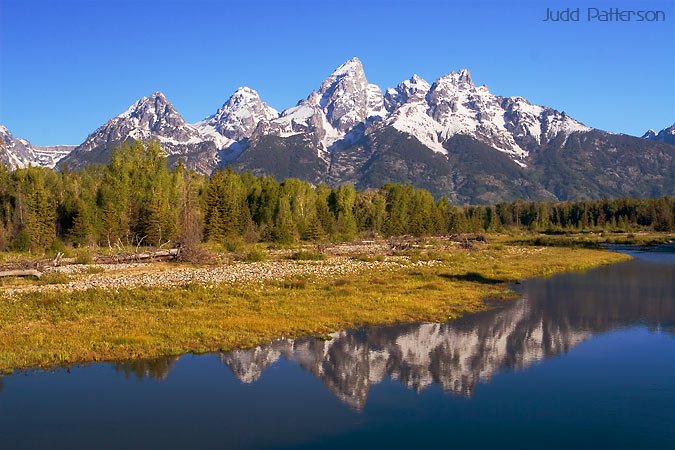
[136, 200]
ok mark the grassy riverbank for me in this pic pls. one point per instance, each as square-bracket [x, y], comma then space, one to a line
[47, 328]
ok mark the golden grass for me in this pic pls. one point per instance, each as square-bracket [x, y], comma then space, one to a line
[56, 328]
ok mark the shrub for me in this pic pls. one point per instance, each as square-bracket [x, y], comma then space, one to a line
[306, 255]
[83, 257]
[295, 284]
[93, 270]
[20, 242]
[196, 254]
[57, 246]
[233, 246]
[255, 255]
[438, 256]
[53, 278]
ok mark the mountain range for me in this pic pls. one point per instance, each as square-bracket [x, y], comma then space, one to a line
[451, 137]
[16, 152]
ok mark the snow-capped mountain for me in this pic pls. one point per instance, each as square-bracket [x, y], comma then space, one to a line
[17, 153]
[346, 103]
[152, 117]
[666, 135]
[237, 118]
[451, 137]
[340, 109]
[454, 105]
[395, 97]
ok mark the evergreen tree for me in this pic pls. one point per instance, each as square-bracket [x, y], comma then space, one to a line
[284, 230]
[40, 217]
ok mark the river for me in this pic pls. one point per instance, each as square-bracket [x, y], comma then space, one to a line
[581, 360]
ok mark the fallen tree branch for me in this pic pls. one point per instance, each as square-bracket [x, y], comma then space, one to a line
[157, 254]
[21, 273]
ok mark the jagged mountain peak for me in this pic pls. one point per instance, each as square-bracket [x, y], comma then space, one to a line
[242, 95]
[349, 74]
[344, 96]
[152, 117]
[414, 84]
[237, 118]
[395, 97]
[461, 79]
[352, 66]
[156, 98]
[666, 135]
[650, 134]
[464, 75]
[152, 112]
[344, 100]
[456, 81]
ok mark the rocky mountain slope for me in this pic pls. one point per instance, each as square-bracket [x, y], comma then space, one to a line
[451, 137]
[151, 117]
[666, 135]
[17, 153]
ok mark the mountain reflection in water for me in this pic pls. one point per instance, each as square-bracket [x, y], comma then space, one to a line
[550, 318]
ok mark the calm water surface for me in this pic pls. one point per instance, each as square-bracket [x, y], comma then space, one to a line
[580, 361]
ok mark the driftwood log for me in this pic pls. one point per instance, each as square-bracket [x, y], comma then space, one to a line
[36, 268]
[149, 255]
[21, 273]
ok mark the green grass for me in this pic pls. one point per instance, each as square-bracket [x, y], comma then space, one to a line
[53, 278]
[256, 254]
[584, 240]
[83, 258]
[91, 270]
[57, 328]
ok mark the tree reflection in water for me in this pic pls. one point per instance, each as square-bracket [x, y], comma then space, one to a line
[157, 368]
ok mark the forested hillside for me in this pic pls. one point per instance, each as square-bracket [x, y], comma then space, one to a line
[137, 200]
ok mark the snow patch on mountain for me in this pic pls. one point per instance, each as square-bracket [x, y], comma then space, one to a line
[339, 110]
[375, 103]
[454, 105]
[237, 118]
[151, 117]
[18, 153]
[412, 117]
[395, 97]
[666, 135]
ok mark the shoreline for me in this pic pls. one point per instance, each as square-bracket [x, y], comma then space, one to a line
[51, 327]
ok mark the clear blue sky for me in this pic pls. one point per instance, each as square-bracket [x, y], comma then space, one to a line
[66, 67]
